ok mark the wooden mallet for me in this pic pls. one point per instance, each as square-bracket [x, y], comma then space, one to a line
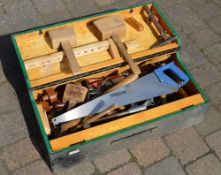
[114, 27]
[66, 38]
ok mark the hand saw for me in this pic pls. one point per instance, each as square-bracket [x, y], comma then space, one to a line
[162, 81]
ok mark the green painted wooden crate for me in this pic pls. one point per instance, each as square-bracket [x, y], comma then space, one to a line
[158, 126]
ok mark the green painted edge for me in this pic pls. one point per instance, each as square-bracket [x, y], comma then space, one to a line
[31, 95]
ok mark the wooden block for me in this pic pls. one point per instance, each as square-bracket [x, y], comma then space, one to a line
[74, 92]
[132, 44]
[44, 118]
[109, 25]
[63, 34]
[135, 24]
[113, 49]
[43, 61]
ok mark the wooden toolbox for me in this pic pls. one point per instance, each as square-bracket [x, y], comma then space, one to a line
[68, 53]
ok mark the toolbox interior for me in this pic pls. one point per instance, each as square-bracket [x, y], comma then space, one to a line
[35, 44]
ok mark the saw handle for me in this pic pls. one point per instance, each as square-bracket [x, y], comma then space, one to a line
[172, 75]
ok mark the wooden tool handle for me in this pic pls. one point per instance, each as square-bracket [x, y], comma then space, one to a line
[156, 23]
[101, 114]
[73, 64]
[127, 80]
[135, 69]
[68, 125]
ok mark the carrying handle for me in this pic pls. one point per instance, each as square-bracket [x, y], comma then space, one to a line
[172, 75]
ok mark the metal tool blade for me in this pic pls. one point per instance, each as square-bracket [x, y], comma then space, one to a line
[146, 87]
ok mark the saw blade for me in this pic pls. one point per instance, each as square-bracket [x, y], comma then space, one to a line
[146, 87]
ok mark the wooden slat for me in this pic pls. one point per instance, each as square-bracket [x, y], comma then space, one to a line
[88, 134]
[44, 80]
